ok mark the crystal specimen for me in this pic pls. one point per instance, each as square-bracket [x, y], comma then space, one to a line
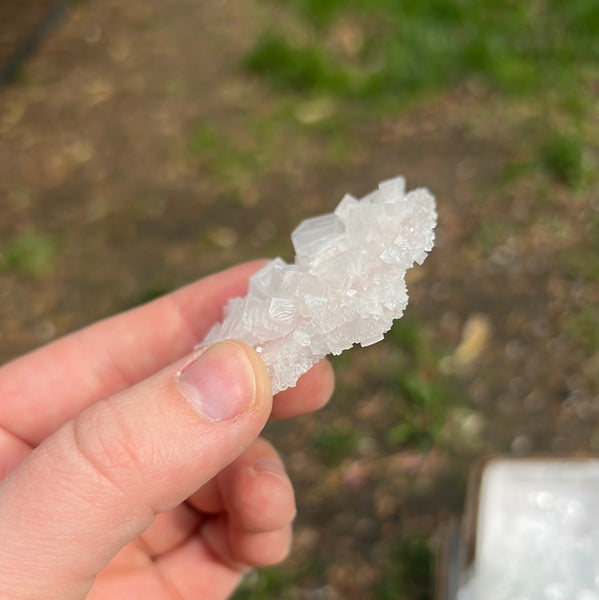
[345, 287]
[537, 531]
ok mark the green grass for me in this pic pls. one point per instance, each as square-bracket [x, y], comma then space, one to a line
[406, 335]
[407, 573]
[265, 144]
[543, 54]
[411, 47]
[31, 254]
[420, 397]
[583, 326]
[293, 68]
[264, 584]
[423, 403]
[220, 154]
[334, 444]
[561, 156]
[538, 60]
[419, 400]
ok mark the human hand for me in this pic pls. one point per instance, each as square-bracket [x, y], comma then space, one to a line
[130, 472]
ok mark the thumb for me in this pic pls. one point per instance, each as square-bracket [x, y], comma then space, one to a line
[97, 483]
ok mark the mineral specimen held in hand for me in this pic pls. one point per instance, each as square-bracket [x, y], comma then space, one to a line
[346, 285]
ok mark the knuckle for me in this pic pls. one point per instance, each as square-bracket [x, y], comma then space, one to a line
[110, 446]
[262, 503]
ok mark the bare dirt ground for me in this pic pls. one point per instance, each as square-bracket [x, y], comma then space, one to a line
[95, 164]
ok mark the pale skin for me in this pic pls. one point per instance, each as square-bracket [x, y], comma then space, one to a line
[114, 486]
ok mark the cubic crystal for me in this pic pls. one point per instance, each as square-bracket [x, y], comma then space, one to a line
[346, 285]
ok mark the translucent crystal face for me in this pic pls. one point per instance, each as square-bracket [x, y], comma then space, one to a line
[345, 287]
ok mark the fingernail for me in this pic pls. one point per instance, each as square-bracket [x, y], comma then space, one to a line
[220, 383]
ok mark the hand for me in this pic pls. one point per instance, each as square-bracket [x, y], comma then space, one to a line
[131, 472]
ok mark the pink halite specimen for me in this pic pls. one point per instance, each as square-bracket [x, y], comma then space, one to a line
[346, 285]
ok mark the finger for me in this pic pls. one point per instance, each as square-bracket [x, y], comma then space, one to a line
[208, 499]
[313, 391]
[255, 529]
[194, 569]
[190, 571]
[144, 581]
[97, 484]
[241, 549]
[256, 491]
[12, 451]
[261, 549]
[111, 355]
[169, 530]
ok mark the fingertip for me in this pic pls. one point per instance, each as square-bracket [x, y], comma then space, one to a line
[327, 375]
[224, 380]
[312, 391]
[262, 549]
[268, 499]
[256, 490]
[262, 379]
[243, 550]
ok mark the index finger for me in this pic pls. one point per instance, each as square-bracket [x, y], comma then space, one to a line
[49, 386]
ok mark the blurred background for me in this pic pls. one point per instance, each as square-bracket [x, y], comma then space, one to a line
[146, 144]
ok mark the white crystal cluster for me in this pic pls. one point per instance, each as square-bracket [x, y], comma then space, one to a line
[345, 287]
[537, 532]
